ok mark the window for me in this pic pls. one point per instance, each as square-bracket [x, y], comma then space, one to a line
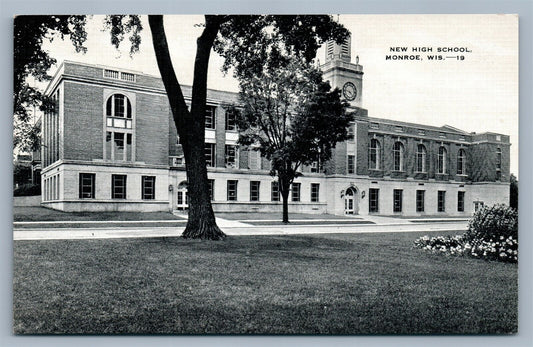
[420, 200]
[351, 164]
[231, 156]
[398, 129]
[397, 153]
[178, 161]
[118, 186]
[460, 201]
[442, 160]
[119, 112]
[211, 187]
[87, 185]
[374, 125]
[232, 190]
[274, 191]
[254, 190]
[421, 158]
[295, 191]
[461, 162]
[231, 121]
[374, 154]
[351, 132]
[421, 132]
[441, 201]
[498, 158]
[315, 166]
[443, 135]
[315, 190]
[210, 154]
[148, 187]
[210, 117]
[397, 203]
[373, 200]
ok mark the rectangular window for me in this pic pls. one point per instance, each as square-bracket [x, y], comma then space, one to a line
[295, 191]
[87, 185]
[420, 200]
[315, 190]
[351, 133]
[211, 187]
[274, 191]
[232, 190]
[441, 201]
[373, 200]
[210, 154]
[315, 167]
[210, 117]
[148, 187]
[351, 164]
[118, 186]
[460, 201]
[254, 190]
[231, 121]
[231, 156]
[397, 204]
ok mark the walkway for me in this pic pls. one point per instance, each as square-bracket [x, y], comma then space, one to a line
[118, 229]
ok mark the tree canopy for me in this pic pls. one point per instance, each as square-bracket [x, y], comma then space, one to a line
[291, 115]
[237, 39]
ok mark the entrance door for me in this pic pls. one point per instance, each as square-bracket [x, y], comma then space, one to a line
[350, 201]
[182, 198]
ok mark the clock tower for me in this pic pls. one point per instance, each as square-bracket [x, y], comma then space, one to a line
[342, 73]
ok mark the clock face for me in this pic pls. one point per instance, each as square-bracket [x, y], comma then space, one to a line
[349, 91]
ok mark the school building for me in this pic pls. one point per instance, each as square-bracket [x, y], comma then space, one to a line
[110, 144]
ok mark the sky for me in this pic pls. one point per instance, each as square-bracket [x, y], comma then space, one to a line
[478, 93]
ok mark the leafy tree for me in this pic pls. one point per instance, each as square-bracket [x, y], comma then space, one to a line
[291, 115]
[30, 60]
[234, 37]
[513, 196]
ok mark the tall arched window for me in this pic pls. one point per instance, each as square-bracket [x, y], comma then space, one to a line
[397, 153]
[421, 158]
[442, 160]
[375, 149]
[461, 162]
[118, 111]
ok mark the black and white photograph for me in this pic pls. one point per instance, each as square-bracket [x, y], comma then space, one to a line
[333, 174]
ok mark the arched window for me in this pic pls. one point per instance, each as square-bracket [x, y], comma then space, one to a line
[397, 153]
[461, 162]
[375, 155]
[442, 160]
[421, 158]
[118, 111]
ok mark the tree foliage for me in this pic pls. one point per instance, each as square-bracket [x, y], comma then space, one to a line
[237, 39]
[31, 60]
[291, 115]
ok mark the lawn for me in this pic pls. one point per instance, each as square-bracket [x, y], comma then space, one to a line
[312, 284]
[36, 213]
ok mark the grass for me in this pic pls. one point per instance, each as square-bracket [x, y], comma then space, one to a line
[36, 213]
[313, 284]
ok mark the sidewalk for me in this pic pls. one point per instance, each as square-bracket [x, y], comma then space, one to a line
[118, 229]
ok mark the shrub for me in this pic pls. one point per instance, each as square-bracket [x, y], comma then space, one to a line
[28, 190]
[492, 235]
[490, 223]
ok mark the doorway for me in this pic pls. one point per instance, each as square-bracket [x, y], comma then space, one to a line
[351, 201]
[182, 197]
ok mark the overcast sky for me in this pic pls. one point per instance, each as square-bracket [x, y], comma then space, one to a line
[479, 93]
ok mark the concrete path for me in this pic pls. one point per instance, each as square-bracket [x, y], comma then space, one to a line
[383, 224]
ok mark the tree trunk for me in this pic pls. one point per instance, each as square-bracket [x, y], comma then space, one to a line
[284, 187]
[191, 125]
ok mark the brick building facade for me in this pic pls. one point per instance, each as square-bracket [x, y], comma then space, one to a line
[110, 144]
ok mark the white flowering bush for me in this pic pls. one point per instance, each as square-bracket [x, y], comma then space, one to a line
[492, 235]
